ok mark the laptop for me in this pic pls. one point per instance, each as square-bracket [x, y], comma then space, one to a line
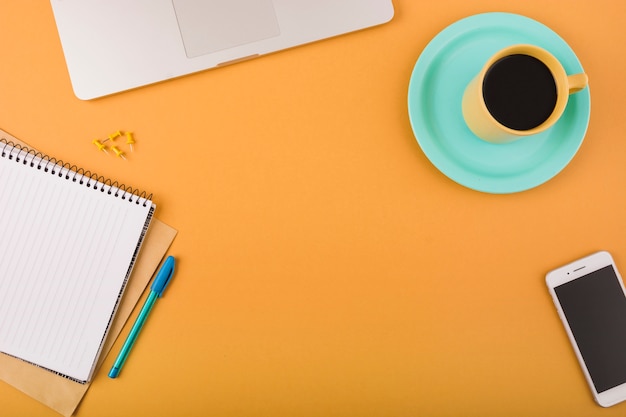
[117, 45]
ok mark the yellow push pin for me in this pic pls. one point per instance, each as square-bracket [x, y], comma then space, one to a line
[118, 152]
[130, 140]
[112, 136]
[100, 146]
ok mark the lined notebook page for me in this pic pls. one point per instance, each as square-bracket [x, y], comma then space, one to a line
[66, 250]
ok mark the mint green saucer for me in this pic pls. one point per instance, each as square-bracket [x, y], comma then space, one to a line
[436, 88]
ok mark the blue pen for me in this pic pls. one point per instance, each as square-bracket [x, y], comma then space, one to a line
[156, 291]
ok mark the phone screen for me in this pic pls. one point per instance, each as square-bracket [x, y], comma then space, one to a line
[595, 308]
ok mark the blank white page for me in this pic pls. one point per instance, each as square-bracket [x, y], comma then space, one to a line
[66, 250]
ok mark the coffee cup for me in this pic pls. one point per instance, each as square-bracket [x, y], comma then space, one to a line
[521, 90]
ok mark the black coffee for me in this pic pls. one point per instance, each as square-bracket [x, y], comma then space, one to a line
[519, 91]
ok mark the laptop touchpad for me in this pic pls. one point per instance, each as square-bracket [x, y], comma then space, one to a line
[214, 25]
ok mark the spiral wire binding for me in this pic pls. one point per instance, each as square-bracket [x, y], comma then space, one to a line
[27, 156]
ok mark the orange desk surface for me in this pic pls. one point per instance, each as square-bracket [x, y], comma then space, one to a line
[326, 267]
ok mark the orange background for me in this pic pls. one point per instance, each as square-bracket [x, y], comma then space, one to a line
[326, 268]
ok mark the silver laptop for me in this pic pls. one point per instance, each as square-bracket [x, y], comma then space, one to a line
[116, 45]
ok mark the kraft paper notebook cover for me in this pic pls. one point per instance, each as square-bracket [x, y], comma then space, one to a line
[58, 392]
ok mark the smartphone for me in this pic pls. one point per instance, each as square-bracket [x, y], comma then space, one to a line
[591, 301]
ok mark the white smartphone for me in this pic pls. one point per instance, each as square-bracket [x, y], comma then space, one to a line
[591, 301]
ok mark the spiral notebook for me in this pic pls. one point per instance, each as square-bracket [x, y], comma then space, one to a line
[69, 240]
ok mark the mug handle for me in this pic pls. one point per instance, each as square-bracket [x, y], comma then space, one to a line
[577, 82]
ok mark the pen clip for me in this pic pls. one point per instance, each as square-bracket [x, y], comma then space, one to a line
[163, 277]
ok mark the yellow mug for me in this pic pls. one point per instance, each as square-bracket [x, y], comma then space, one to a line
[522, 90]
